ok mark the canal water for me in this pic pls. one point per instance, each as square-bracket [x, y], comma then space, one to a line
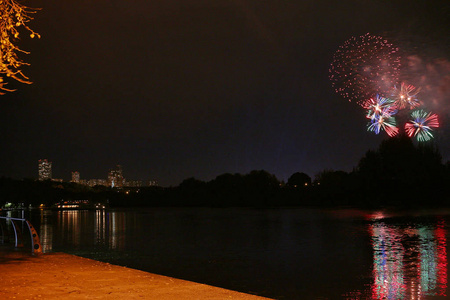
[278, 253]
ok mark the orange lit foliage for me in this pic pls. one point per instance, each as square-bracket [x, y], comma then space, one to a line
[13, 16]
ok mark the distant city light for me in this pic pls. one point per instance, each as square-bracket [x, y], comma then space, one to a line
[45, 169]
[115, 178]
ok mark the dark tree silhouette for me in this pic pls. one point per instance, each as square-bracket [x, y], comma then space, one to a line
[192, 192]
[400, 172]
[299, 179]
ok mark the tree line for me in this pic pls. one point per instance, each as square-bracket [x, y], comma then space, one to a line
[397, 174]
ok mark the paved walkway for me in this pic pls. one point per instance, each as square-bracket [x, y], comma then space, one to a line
[64, 276]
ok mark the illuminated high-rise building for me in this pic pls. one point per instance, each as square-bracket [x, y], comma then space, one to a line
[115, 177]
[45, 169]
[75, 177]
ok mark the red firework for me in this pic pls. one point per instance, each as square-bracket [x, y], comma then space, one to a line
[365, 66]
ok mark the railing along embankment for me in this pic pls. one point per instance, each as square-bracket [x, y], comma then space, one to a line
[15, 227]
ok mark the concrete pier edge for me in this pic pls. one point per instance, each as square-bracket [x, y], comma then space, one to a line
[61, 275]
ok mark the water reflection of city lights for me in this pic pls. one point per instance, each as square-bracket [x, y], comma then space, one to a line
[68, 221]
[46, 232]
[74, 227]
[117, 227]
[100, 228]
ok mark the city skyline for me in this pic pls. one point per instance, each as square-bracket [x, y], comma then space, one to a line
[114, 177]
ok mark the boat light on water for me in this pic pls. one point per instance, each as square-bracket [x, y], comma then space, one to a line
[78, 204]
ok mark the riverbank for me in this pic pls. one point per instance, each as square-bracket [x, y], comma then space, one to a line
[65, 276]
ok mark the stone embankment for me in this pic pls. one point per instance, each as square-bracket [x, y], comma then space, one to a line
[64, 276]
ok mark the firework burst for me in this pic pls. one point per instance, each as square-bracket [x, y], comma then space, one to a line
[364, 66]
[380, 111]
[386, 123]
[406, 96]
[379, 106]
[366, 70]
[421, 125]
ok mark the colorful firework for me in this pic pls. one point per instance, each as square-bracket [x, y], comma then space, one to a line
[385, 123]
[380, 111]
[364, 66]
[406, 96]
[421, 126]
[379, 106]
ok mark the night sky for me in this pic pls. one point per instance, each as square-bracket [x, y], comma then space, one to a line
[177, 89]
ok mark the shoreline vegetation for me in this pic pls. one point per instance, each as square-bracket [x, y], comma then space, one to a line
[399, 174]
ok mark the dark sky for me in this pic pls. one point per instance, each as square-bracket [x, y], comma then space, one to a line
[176, 89]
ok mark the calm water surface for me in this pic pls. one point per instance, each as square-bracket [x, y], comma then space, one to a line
[279, 253]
